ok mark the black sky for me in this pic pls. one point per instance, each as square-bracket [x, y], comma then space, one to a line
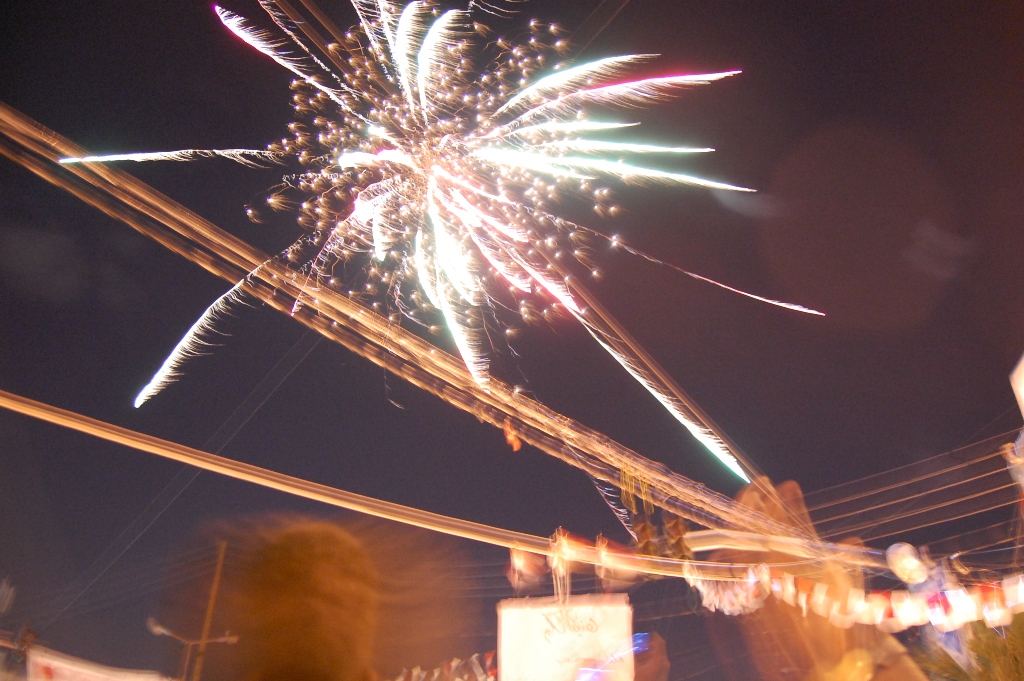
[886, 138]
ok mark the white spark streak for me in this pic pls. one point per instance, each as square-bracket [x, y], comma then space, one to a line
[261, 41]
[243, 156]
[565, 166]
[387, 22]
[369, 13]
[512, 232]
[770, 301]
[410, 30]
[566, 128]
[498, 257]
[711, 442]
[600, 147]
[527, 161]
[633, 93]
[468, 347]
[602, 69]
[285, 23]
[369, 209]
[435, 55]
[555, 287]
[191, 345]
[425, 269]
[354, 159]
[448, 252]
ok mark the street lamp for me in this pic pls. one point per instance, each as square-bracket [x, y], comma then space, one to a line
[158, 629]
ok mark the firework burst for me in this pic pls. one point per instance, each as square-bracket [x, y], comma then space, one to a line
[432, 154]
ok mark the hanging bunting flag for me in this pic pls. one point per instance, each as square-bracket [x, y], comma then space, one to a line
[946, 609]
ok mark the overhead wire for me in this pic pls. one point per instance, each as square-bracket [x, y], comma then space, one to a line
[595, 24]
[237, 420]
[359, 329]
[888, 503]
[897, 485]
[110, 594]
[153, 561]
[1009, 410]
[990, 449]
[356, 502]
[344, 320]
[945, 519]
[904, 498]
[992, 535]
[112, 597]
[921, 511]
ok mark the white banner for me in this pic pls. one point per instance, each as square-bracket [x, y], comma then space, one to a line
[1017, 383]
[49, 665]
[589, 637]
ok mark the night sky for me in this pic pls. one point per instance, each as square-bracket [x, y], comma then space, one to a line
[885, 138]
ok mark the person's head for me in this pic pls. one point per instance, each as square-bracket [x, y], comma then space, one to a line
[304, 603]
[312, 599]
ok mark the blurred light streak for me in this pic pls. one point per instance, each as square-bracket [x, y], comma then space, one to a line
[362, 331]
[580, 553]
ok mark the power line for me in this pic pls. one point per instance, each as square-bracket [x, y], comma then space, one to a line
[595, 24]
[187, 475]
[386, 510]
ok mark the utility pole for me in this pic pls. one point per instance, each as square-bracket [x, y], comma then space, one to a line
[204, 638]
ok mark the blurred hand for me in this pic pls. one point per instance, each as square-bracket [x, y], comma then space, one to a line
[782, 642]
[653, 664]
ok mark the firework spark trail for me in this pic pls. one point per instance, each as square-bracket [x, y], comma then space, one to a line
[248, 157]
[441, 171]
[706, 280]
[617, 342]
[575, 76]
[191, 345]
[262, 42]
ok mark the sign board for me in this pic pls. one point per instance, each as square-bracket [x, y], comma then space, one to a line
[587, 637]
[48, 665]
